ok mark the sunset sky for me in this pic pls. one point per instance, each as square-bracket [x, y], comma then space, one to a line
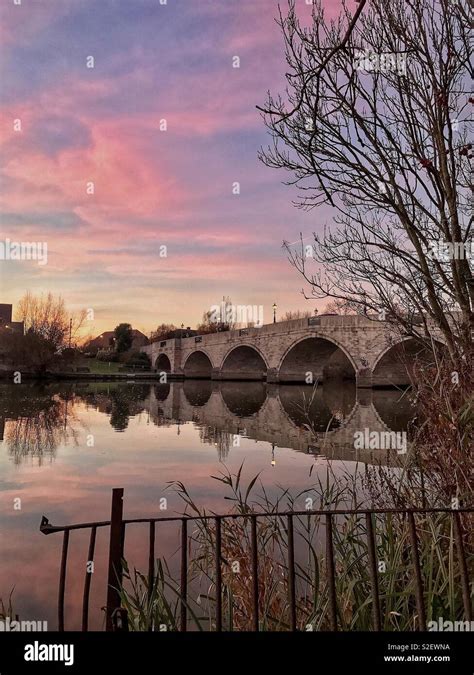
[153, 188]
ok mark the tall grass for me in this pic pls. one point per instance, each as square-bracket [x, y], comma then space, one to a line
[6, 609]
[438, 559]
[444, 436]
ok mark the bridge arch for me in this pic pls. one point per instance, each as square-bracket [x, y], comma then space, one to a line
[394, 364]
[318, 409]
[392, 409]
[197, 394]
[163, 364]
[323, 357]
[198, 365]
[244, 362]
[161, 391]
[244, 399]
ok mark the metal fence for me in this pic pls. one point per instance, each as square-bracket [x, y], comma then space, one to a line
[118, 525]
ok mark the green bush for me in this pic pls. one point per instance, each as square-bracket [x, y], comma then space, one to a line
[107, 355]
[138, 359]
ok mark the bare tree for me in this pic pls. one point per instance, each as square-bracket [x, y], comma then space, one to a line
[163, 331]
[47, 317]
[375, 124]
[296, 314]
[207, 324]
[219, 318]
[339, 307]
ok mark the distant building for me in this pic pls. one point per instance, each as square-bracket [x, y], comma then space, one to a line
[6, 323]
[106, 340]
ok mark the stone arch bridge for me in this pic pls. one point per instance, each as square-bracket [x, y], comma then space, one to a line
[364, 349]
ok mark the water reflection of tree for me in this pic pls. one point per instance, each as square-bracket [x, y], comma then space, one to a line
[123, 401]
[119, 402]
[35, 421]
[39, 433]
[221, 439]
[119, 410]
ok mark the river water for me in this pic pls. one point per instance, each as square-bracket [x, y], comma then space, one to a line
[63, 447]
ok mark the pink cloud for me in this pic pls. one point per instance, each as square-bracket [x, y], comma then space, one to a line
[149, 191]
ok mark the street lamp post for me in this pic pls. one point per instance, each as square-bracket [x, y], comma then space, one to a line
[274, 312]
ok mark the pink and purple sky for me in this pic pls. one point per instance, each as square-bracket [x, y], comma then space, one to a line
[152, 188]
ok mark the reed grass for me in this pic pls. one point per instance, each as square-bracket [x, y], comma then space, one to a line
[438, 560]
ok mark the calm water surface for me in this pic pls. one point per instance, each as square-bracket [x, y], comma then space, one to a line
[64, 447]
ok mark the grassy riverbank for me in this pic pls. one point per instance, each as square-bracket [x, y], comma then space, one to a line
[97, 367]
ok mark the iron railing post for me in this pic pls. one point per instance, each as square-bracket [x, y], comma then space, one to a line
[151, 560]
[374, 581]
[254, 552]
[419, 591]
[218, 556]
[184, 575]
[87, 581]
[466, 595]
[291, 573]
[330, 573]
[115, 556]
[62, 581]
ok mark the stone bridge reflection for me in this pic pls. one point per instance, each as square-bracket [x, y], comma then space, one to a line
[34, 421]
[318, 421]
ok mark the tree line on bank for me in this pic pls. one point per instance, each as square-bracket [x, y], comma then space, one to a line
[53, 338]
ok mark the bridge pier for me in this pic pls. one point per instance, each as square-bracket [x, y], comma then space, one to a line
[364, 379]
[273, 376]
[216, 374]
[272, 391]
